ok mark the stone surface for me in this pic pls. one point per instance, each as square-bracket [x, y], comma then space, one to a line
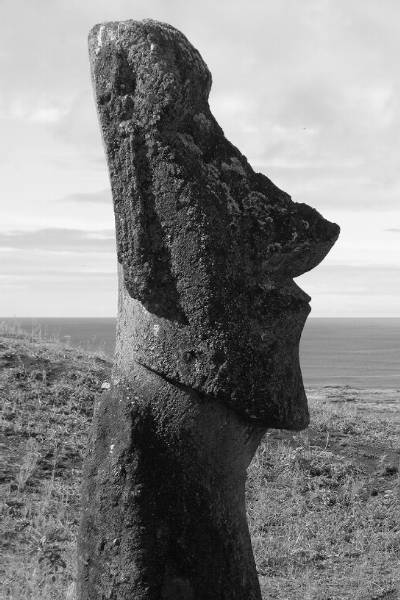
[208, 248]
[208, 329]
[164, 497]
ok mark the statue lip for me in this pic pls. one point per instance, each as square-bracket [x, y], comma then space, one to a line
[297, 292]
[289, 288]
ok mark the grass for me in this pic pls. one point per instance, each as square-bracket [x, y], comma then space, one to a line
[324, 508]
[47, 395]
[323, 505]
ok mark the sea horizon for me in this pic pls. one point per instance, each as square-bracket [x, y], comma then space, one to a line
[360, 352]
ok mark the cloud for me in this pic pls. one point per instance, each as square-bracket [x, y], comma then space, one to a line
[22, 108]
[59, 240]
[44, 278]
[299, 87]
[58, 271]
[101, 197]
[47, 114]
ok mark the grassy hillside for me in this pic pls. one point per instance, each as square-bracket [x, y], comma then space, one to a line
[323, 505]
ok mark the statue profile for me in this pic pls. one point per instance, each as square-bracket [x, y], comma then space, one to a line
[209, 324]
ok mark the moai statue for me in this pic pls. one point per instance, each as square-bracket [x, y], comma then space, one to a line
[209, 323]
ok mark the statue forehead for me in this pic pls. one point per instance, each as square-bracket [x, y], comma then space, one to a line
[232, 206]
[125, 34]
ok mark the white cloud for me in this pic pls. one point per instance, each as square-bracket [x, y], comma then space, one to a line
[47, 114]
[101, 196]
[23, 108]
[59, 240]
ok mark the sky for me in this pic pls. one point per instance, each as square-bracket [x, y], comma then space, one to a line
[308, 91]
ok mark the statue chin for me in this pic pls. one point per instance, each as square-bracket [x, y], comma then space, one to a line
[255, 374]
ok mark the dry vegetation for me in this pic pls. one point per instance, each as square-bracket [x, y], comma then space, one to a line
[323, 506]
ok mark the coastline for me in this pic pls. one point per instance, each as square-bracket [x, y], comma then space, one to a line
[361, 353]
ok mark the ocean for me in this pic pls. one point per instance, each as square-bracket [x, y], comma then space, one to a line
[361, 353]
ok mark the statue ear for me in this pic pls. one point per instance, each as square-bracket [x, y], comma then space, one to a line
[142, 245]
[142, 249]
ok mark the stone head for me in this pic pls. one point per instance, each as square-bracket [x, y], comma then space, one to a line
[207, 247]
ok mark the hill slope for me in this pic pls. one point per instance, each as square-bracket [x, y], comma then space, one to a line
[323, 505]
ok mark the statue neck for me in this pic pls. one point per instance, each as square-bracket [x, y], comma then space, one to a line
[176, 509]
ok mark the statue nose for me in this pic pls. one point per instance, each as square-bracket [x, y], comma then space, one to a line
[312, 237]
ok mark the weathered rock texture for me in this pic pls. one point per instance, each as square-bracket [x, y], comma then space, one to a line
[208, 330]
